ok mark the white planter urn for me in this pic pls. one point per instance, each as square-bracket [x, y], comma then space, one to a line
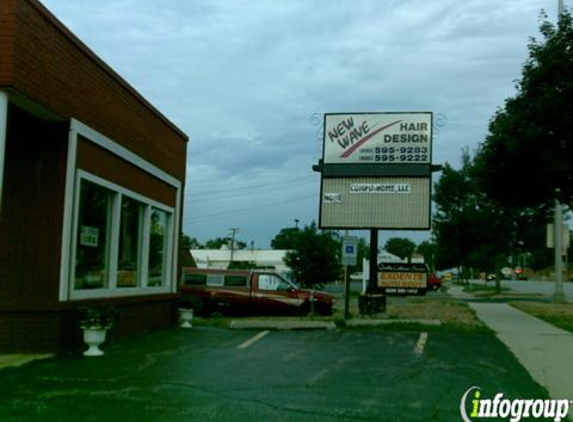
[94, 337]
[185, 317]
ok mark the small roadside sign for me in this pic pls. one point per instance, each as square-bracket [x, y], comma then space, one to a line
[349, 250]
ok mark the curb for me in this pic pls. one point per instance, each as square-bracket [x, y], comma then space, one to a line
[7, 361]
[283, 325]
[376, 322]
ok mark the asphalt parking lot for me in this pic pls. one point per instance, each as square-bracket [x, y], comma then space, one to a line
[215, 374]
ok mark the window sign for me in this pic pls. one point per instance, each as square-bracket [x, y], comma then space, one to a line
[89, 236]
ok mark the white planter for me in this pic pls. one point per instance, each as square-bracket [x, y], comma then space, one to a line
[93, 337]
[185, 317]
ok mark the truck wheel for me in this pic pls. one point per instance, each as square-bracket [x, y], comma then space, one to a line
[304, 309]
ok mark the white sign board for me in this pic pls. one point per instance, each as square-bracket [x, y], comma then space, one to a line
[378, 138]
[366, 202]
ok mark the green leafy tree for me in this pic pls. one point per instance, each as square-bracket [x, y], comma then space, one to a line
[528, 151]
[401, 247]
[471, 231]
[428, 250]
[218, 242]
[314, 257]
[188, 242]
[286, 238]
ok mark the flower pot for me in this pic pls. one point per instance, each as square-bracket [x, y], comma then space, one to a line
[93, 337]
[185, 317]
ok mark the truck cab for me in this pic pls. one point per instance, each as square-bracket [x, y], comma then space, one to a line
[244, 291]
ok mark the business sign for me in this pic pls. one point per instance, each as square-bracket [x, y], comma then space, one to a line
[403, 278]
[401, 203]
[378, 138]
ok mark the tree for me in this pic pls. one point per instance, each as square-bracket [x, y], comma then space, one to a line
[401, 247]
[471, 231]
[315, 256]
[190, 242]
[528, 151]
[218, 242]
[286, 238]
[428, 250]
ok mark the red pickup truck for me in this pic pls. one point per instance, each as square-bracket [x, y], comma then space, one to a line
[244, 291]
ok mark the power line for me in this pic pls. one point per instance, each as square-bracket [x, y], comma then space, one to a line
[194, 220]
[192, 196]
[208, 192]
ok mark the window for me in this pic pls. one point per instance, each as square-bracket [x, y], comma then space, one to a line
[236, 281]
[157, 247]
[130, 245]
[194, 279]
[215, 280]
[273, 283]
[92, 249]
[124, 241]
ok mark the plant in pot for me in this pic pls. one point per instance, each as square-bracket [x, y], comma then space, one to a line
[186, 308]
[95, 322]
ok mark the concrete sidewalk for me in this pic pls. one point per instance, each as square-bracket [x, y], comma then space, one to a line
[20, 359]
[543, 349]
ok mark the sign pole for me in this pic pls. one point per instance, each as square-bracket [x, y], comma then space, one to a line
[349, 253]
[373, 261]
[559, 295]
[346, 293]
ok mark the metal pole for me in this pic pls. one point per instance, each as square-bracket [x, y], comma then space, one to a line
[373, 261]
[559, 296]
[233, 232]
[3, 134]
[346, 293]
[346, 289]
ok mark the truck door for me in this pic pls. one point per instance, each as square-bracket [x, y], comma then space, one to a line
[275, 295]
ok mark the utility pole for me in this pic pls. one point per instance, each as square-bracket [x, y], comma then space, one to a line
[233, 232]
[559, 296]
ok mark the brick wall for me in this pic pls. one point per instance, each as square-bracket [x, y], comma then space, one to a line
[31, 221]
[55, 69]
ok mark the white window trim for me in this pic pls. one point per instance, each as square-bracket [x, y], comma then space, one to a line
[113, 243]
[67, 261]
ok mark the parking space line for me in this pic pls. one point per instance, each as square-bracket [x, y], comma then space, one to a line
[419, 349]
[253, 339]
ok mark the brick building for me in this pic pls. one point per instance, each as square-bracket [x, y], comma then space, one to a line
[91, 188]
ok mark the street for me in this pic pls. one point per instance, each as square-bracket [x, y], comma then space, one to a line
[214, 374]
[545, 288]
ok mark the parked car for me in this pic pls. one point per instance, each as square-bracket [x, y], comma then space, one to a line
[244, 291]
[434, 282]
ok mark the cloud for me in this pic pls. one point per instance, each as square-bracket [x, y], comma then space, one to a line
[243, 79]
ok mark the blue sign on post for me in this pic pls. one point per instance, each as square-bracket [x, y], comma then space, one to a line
[349, 250]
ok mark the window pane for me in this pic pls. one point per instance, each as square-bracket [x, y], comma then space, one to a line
[236, 280]
[272, 282]
[129, 243]
[157, 247]
[194, 279]
[91, 270]
[215, 280]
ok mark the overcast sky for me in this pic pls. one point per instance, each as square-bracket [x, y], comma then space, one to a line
[249, 81]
